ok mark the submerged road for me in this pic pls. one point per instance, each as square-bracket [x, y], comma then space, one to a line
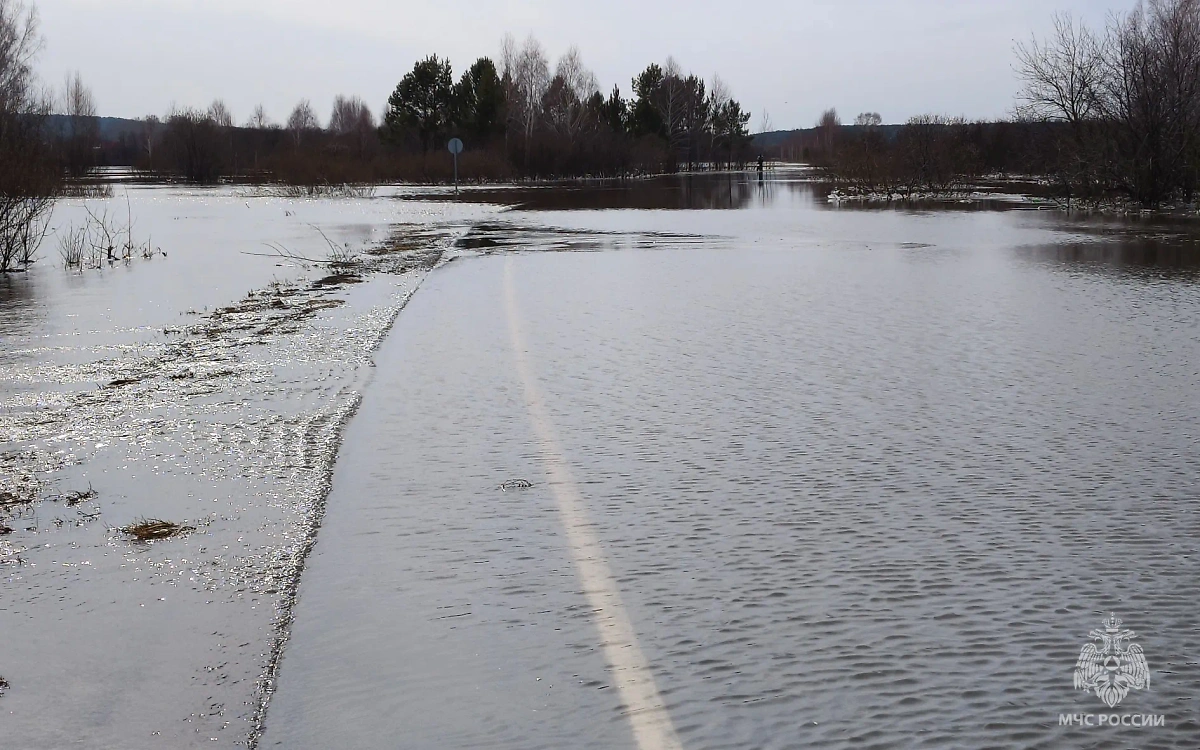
[652, 727]
[840, 480]
[438, 610]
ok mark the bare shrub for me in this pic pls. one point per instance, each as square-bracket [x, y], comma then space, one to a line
[103, 237]
[72, 245]
[339, 257]
[107, 237]
[24, 222]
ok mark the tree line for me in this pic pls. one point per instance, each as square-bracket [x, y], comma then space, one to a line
[1128, 101]
[520, 117]
[929, 155]
[1103, 117]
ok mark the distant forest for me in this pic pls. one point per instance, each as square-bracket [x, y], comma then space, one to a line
[521, 118]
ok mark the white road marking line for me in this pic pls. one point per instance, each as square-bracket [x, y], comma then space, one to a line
[651, 723]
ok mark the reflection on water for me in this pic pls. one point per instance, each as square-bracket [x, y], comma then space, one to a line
[1133, 243]
[717, 191]
[492, 236]
[18, 309]
[1178, 256]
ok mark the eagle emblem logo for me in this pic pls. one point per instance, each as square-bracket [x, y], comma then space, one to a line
[1111, 665]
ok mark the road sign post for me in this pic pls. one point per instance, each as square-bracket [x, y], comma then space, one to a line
[455, 146]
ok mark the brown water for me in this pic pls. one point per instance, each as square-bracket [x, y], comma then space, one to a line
[803, 476]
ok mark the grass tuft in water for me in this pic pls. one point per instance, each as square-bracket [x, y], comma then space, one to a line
[79, 496]
[336, 279]
[149, 529]
[8, 499]
[123, 381]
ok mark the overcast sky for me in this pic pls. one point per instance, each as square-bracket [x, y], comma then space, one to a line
[791, 58]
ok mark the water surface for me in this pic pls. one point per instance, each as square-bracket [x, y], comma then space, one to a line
[864, 478]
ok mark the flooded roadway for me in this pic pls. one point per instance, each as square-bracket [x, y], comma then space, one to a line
[801, 477]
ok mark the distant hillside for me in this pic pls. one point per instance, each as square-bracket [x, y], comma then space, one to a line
[776, 138]
[111, 128]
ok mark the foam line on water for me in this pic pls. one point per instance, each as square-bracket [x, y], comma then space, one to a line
[648, 717]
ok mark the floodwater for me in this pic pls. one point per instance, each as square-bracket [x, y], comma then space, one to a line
[801, 476]
[166, 389]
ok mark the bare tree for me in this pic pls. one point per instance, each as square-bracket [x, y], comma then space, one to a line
[259, 120]
[148, 135]
[828, 128]
[1063, 80]
[219, 113]
[20, 43]
[764, 122]
[720, 90]
[351, 115]
[28, 179]
[581, 81]
[1130, 99]
[508, 67]
[1152, 99]
[933, 154]
[352, 119]
[669, 102]
[302, 120]
[78, 101]
[1062, 76]
[82, 131]
[565, 101]
[829, 119]
[527, 73]
[719, 97]
[868, 120]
